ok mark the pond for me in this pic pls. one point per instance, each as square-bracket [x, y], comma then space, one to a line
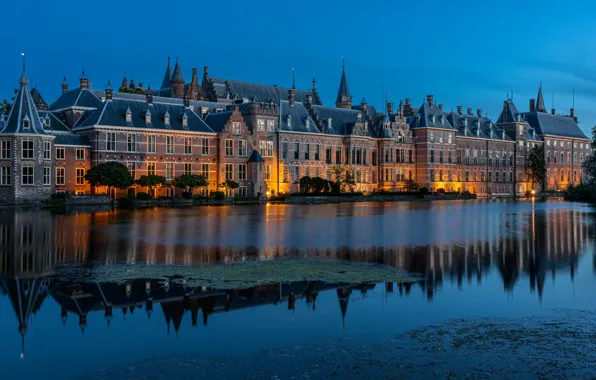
[476, 259]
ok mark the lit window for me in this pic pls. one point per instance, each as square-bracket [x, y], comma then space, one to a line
[260, 124]
[80, 176]
[270, 125]
[235, 128]
[128, 116]
[267, 172]
[148, 117]
[166, 119]
[150, 168]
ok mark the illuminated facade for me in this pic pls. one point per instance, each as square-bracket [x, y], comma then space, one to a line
[267, 137]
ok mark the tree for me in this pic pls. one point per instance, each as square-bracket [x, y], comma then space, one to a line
[341, 178]
[536, 166]
[151, 181]
[590, 162]
[411, 185]
[306, 184]
[6, 105]
[229, 184]
[110, 174]
[319, 185]
[190, 181]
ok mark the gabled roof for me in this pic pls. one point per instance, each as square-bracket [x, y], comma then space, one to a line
[557, 125]
[509, 114]
[57, 124]
[37, 98]
[430, 116]
[79, 97]
[296, 118]
[113, 113]
[255, 92]
[217, 121]
[255, 157]
[165, 83]
[23, 109]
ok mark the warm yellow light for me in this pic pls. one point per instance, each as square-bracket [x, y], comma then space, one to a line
[268, 193]
[533, 192]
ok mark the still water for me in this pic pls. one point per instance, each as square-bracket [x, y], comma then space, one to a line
[498, 259]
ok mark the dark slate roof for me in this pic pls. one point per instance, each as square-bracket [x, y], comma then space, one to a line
[37, 98]
[217, 121]
[255, 157]
[23, 108]
[540, 107]
[165, 83]
[557, 125]
[343, 87]
[479, 127]
[342, 119]
[430, 116]
[177, 73]
[113, 113]
[371, 111]
[71, 139]
[255, 92]
[385, 133]
[300, 120]
[57, 123]
[509, 114]
[79, 97]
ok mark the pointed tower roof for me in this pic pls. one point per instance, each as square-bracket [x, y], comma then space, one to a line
[124, 81]
[177, 76]
[343, 94]
[167, 76]
[540, 100]
[38, 100]
[23, 117]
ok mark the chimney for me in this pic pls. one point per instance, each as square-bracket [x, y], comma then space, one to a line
[552, 111]
[109, 91]
[65, 86]
[195, 76]
[140, 84]
[389, 108]
[429, 100]
[205, 71]
[149, 95]
[441, 107]
[460, 109]
[83, 81]
[532, 105]
[479, 112]
[572, 113]
[470, 111]
[308, 104]
[292, 93]
[186, 99]
[407, 101]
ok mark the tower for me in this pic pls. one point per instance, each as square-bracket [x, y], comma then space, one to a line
[344, 99]
[165, 83]
[177, 82]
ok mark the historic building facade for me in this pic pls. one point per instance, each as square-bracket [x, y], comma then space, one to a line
[268, 137]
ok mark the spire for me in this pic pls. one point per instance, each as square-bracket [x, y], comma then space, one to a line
[177, 76]
[23, 81]
[124, 81]
[167, 76]
[293, 80]
[344, 99]
[540, 107]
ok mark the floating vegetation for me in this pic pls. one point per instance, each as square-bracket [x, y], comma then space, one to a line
[240, 275]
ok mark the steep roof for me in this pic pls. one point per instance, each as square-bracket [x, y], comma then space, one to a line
[177, 76]
[165, 83]
[113, 113]
[430, 116]
[343, 87]
[37, 98]
[23, 109]
[217, 121]
[474, 126]
[256, 92]
[255, 157]
[509, 113]
[57, 124]
[79, 97]
[540, 101]
[296, 118]
[557, 125]
[342, 120]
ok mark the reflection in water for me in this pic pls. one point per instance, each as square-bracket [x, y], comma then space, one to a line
[523, 247]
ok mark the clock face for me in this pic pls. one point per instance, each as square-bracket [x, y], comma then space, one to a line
[344, 98]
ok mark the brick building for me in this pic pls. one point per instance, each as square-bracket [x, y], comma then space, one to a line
[266, 137]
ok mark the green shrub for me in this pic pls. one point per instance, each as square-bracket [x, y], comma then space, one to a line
[144, 196]
[186, 195]
[218, 195]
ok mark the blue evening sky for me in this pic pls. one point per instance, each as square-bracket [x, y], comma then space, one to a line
[469, 53]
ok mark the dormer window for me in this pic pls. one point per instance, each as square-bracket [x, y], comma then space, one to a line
[329, 121]
[235, 128]
[432, 118]
[359, 116]
[128, 116]
[46, 122]
[166, 119]
[289, 120]
[307, 122]
[148, 117]
[184, 121]
[26, 123]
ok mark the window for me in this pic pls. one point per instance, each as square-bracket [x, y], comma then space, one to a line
[47, 176]
[47, 150]
[242, 150]
[111, 141]
[260, 124]
[242, 191]
[188, 168]
[185, 121]
[574, 158]
[441, 156]
[432, 156]
[235, 128]
[410, 156]
[188, 145]
[497, 158]
[148, 117]
[60, 176]
[266, 148]
[431, 136]
[229, 171]
[128, 116]
[132, 169]
[296, 175]
[317, 153]
[27, 149]
[27, 175]
[80, 154]
[581, 158]
[284, 151]
[307, 151]
[267, 172]
[441, 136]
[562, 158]
[150, 143]
[242, 172]
[151, 168]
[169, 170]
[205, 170]
[328, 154]
[204, 146]
[338, 155]
[270, 125]
[131, 140]
[548, 157]
[46, 122]
[166, 118]
[374, 157]
[450, 158]
[467, 160]
[26, 123]
[5, 175]
[449, 137]
[229, 148]
[80, 176]
[510, 158]
[5, 149]
[296, 151]
[169, 144]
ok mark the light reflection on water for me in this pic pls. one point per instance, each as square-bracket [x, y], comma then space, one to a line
[477, 259]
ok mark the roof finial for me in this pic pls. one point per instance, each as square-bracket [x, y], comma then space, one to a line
[23, 55]
[293, 80]
[168, 61]
[314, 83]
[343, 63]
[573, 97]
[176, 59]
[23, 81]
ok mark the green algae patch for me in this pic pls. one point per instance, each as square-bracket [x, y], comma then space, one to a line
[241, 275]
